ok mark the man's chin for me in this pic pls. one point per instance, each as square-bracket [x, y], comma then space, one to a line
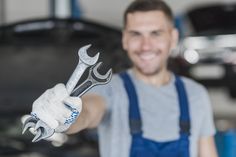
[148, 72]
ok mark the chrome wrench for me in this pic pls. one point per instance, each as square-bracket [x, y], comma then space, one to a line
[94, 78]
[84, 62]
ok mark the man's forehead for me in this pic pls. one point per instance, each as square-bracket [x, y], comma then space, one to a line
[151, 19]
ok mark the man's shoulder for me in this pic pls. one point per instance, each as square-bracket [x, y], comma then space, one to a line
[116, 78]
[193, 85]
[197, 93]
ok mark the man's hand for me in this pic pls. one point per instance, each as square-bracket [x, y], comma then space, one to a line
[56, 108]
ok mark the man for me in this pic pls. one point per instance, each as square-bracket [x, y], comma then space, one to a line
[147, 110]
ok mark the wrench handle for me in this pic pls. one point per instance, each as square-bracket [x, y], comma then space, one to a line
[76, 75]
[81, 89]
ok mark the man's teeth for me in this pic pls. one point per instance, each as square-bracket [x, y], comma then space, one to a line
[147, 56]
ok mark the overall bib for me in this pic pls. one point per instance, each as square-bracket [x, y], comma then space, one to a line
[142, 147]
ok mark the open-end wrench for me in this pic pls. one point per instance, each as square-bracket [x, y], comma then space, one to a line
[84, 62]
[94, 78]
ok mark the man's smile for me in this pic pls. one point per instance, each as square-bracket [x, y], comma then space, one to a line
[148, 56]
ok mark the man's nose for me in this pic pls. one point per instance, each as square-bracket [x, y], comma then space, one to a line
[146, 44]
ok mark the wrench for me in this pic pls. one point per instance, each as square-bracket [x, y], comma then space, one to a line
[84, 62]
[94, 78]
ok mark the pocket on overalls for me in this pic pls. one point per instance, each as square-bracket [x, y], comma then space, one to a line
[140, 148]
[170, 149]
[142, 152]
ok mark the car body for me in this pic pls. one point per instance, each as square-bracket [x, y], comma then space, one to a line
[34, 56]
[210, 40]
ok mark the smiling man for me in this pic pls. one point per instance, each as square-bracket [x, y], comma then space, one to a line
[148, 38]
[146, 111]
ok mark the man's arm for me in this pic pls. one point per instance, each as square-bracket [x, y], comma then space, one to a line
[92, 113]
[207, 147]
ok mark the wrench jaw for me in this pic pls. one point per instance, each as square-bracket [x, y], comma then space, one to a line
[85, 61]
[29, 123]
[42, 129]
[37, 136]
[94, 78]
[102, 79]
[85, 58]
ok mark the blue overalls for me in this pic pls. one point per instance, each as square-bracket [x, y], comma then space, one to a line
[142, 147]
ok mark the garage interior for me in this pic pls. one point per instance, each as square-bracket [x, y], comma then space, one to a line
[39, 41]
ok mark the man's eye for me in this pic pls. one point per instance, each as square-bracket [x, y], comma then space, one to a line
[134, 34]
[156, 33]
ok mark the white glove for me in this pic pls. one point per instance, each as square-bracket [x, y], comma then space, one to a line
[56, 108]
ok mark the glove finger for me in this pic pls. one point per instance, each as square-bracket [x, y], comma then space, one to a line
[24, 118]
[58, 108]
[48, 119]
[65, 112]
[44, 112]
[74, 103]
[61, 114]
[60, 91]
[52, 104]
[58, 139]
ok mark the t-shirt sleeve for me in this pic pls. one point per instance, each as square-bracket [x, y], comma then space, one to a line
[105, 91]
[108, 91]
[207, 127]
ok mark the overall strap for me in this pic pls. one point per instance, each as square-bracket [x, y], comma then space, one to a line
[184, 120]
[135, 122]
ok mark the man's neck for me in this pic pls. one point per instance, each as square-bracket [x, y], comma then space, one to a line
[158, 79]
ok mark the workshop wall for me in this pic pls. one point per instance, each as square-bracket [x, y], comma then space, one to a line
[104, 11]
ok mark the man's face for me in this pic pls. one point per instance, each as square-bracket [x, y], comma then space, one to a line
[148, 39]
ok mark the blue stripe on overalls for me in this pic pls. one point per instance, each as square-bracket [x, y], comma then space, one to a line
[142, 147]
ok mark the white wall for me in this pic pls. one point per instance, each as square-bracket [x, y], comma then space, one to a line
[17, 10]
[109, 12]
[105, 11]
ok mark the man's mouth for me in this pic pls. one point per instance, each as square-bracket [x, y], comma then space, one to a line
[147, 56]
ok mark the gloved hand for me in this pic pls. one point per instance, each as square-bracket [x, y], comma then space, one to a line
[56, 108]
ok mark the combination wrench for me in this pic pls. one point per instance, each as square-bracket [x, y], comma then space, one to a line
[84, 62]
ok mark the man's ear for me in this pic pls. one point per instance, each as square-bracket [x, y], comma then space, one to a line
[124, 40]
[175, 38]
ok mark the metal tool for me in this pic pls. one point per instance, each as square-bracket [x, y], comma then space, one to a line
[84, 62]
[94, 78]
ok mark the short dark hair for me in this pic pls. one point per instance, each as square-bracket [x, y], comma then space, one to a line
[148, 5]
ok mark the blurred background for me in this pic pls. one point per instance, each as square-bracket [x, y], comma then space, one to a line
[39, 41]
